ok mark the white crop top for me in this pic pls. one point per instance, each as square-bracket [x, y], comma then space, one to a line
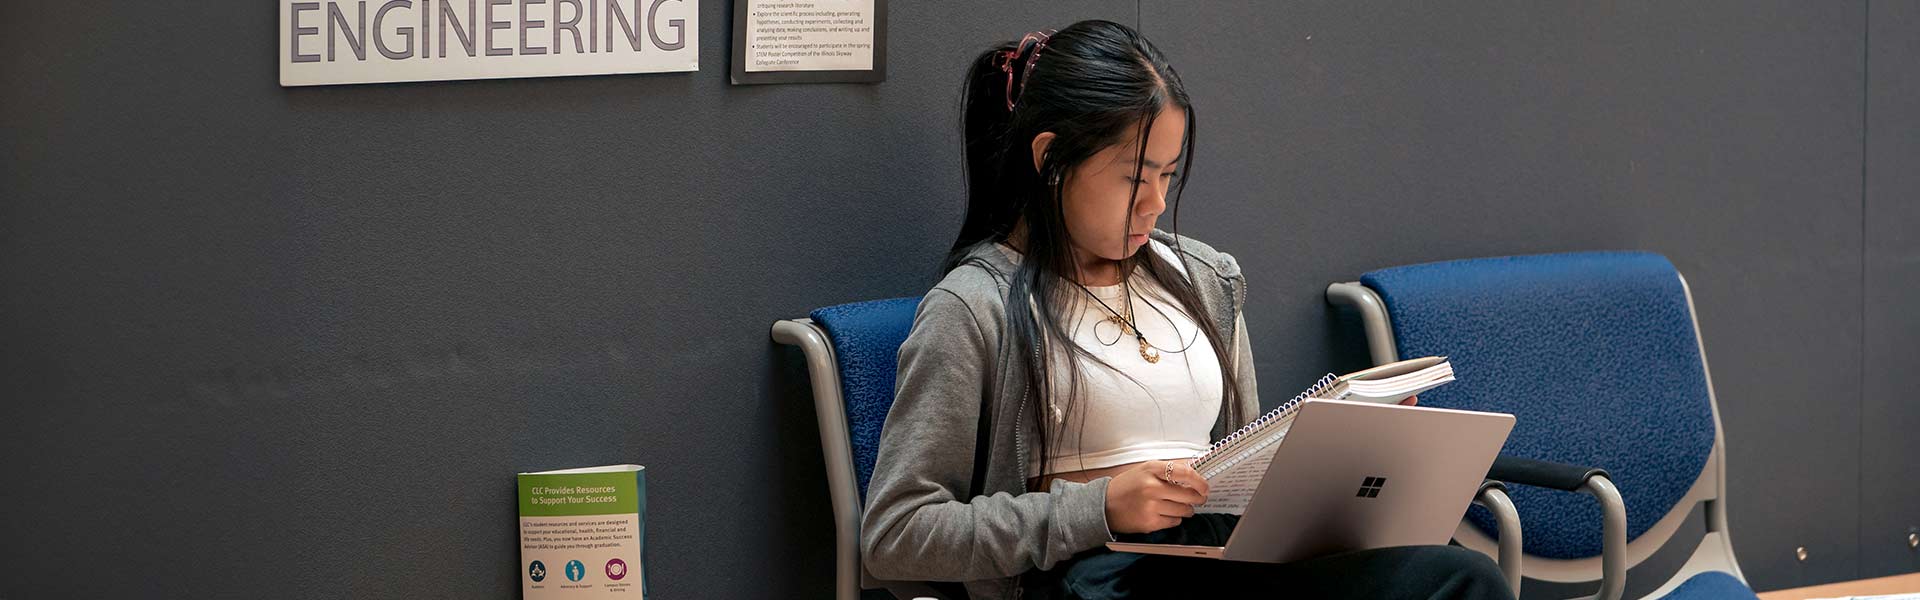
[1145, 411]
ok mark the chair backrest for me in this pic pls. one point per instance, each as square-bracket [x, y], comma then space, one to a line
[1595, 353]
[866, 338]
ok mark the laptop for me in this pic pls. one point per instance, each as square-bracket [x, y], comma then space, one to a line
[1357, 476]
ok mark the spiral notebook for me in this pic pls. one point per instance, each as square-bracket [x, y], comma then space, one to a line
[1235, 465]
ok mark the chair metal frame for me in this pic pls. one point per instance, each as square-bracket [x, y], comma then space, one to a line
[1715, 552]
[830, 414]
[836, 446]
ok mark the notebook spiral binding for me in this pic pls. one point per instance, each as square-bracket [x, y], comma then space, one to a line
[1325, 382]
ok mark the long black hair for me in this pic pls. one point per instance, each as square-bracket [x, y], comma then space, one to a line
[1092, 84]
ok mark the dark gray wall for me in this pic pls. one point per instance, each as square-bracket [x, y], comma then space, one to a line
[1889, 476]
[261, 342]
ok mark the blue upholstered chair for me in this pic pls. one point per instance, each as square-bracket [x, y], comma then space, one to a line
[852, 353]
[1599, 357]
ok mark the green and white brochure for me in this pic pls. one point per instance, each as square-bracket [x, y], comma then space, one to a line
[582, 532]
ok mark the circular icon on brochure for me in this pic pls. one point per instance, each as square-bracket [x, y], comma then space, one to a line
[616, 569]
[537, 571]
[576, 570]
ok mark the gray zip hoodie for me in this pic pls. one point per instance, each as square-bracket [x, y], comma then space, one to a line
[948, 498]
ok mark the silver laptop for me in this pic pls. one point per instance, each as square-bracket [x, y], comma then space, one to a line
[1357, 476]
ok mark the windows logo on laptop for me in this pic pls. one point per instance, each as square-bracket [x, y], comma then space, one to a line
[1371, 487]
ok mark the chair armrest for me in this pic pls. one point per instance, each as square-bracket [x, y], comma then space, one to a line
[1592, 481]
[1540, 473]
[1493, 496]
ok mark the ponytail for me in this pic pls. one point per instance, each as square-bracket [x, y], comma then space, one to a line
[996, 81]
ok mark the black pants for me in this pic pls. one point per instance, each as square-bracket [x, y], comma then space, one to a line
[1404, 572]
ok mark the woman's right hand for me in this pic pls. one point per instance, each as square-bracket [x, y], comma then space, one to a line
[1150, 497]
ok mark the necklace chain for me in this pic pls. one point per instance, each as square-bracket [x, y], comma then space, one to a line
[1148, 352]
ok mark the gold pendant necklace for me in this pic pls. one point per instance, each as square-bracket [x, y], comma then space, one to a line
[1147, 351]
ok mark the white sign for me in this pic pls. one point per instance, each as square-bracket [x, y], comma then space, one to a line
[372, 41]
[809, 35]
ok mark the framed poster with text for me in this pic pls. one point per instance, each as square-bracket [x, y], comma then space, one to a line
[809, 41]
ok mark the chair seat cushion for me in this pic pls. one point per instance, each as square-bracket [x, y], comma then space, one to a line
[1712, 585]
